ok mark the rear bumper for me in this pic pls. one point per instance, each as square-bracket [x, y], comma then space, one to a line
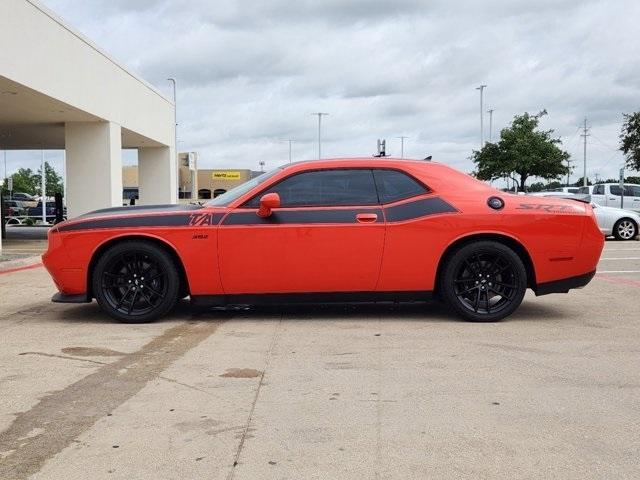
[62, 298]
[565, 284]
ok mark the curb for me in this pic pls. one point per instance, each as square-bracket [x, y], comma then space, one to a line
[20, 264]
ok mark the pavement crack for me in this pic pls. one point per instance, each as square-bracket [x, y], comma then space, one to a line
[63, 415]
[247, 425]
[66, 357]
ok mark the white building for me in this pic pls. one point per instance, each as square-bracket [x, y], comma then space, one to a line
[60, 91]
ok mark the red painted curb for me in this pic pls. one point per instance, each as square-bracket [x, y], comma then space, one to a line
[17, 269]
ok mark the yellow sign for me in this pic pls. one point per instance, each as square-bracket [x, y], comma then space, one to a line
[228, 175]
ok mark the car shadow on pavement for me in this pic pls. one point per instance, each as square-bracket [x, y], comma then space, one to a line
[416, 312]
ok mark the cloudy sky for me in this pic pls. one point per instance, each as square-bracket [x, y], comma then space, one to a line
[251, 72]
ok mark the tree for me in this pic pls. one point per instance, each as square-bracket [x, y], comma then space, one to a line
[580, 181]
[522, 151]
[54, 181]
[24, 180]
[630, 140]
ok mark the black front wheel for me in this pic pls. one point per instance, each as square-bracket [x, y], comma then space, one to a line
[136, 282]
[484, 281]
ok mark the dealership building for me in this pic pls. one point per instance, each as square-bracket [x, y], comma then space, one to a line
[58, 90]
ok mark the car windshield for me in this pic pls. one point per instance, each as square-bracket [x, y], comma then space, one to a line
[226, 198]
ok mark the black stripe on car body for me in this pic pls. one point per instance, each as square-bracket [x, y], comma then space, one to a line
[279, 217]
[181, 220]
[417, 209]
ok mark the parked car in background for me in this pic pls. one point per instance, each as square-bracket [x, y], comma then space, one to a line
[620, 223]
[36, 211]
[609, 195]
[28, 200]
[14, 208]
[563, 190]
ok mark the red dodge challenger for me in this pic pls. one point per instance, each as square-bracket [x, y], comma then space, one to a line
[346, 230]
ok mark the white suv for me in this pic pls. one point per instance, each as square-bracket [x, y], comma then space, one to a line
[609, 195]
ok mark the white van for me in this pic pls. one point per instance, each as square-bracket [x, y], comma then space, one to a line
[609, 195]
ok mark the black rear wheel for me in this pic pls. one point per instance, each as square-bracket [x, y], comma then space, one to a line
[484, 281]
[136, 282]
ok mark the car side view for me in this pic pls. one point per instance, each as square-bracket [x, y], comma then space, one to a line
[346, 230]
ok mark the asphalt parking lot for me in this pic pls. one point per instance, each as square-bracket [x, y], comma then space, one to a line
[336, 392]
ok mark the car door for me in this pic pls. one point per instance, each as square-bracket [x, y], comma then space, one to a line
[614, 193]
[598, 195]
[632, 197]
[327, 236]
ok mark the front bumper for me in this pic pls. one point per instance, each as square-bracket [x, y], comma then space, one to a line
[565, 284]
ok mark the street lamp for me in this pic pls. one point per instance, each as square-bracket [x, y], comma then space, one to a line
[481, 88]
[319, 114]
[401, 137]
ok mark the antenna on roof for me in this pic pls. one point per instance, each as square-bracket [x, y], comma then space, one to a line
[382, 148]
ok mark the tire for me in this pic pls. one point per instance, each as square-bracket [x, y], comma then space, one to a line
[135, 281]
[625, 229]
[484, 281]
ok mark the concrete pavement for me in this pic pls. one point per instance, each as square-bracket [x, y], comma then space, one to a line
[324, 392]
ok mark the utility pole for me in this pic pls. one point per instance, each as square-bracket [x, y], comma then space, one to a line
[569, 162]
[290, 142]
[401, 137]
[175, 134]
[481, 88]
[585, 134]
[490, 112]
[319, 114]
[597, 177]
[43, 185]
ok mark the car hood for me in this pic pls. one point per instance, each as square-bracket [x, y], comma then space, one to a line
[139, 210]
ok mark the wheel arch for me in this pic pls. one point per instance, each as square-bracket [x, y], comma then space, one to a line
[158, 241]
[502, 238]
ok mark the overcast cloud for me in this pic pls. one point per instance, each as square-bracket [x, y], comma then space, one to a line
[251, 72]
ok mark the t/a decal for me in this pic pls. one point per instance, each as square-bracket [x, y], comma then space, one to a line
[200, 219]
[545, 207]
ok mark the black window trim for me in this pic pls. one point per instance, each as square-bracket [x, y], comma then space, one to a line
[370, 168]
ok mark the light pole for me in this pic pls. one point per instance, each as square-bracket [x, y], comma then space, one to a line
[402, 137]
[490, 112]
[481, 88]
[175, 134]
[319, 114]
[585, 134]
[290, 140]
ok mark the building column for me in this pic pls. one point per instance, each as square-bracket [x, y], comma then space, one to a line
[93, 166]
[157, 175]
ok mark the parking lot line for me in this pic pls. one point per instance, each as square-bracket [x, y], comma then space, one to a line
[618, 280]
[618, 271]
[621, 258]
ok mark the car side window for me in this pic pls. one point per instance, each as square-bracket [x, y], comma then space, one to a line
[324, 188]
[615, 189]
[598, 190]
[394, 185]
[632, 191]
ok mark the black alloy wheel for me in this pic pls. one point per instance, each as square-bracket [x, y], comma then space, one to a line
[136, 282]
[484, 281]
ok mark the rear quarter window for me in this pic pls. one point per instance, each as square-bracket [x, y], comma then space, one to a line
[393, 185]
